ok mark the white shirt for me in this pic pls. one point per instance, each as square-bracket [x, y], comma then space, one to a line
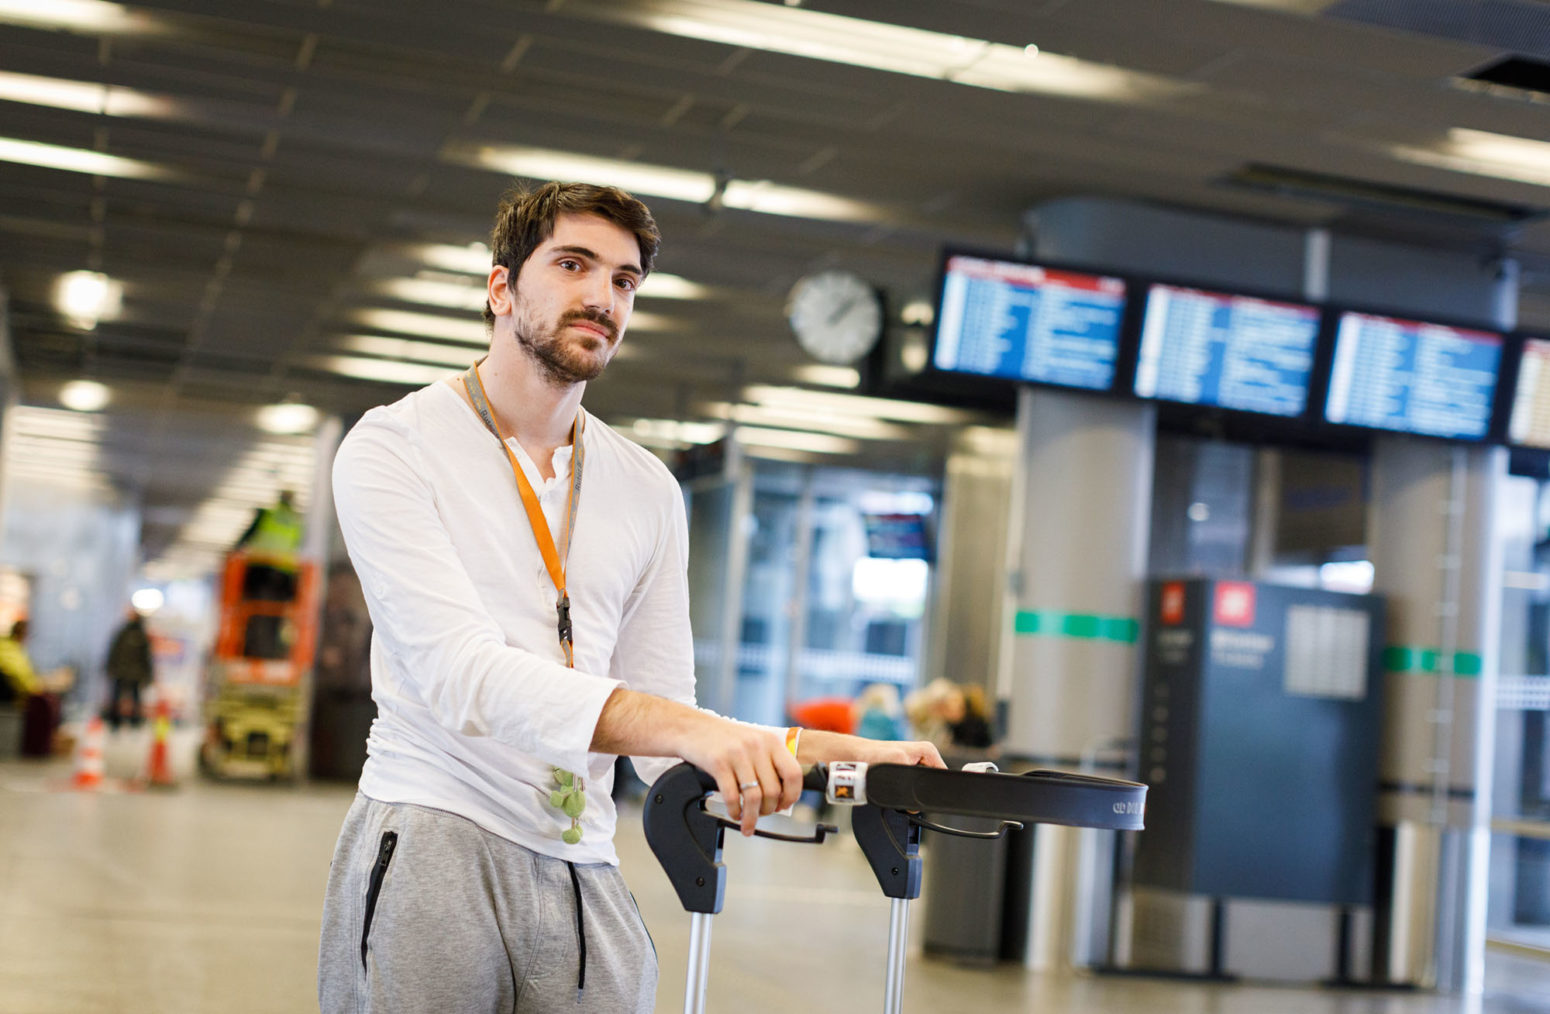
[475, 705]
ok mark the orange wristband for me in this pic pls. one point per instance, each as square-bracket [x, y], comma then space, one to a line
[793, 737]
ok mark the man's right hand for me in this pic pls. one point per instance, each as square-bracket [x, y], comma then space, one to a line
[754, 771]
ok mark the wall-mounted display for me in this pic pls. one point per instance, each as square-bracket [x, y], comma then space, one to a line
[1225, 350]
[1413, 377]
[1026, 322]
[1529, 423]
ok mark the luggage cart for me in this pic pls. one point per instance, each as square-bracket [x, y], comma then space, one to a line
[887, 823]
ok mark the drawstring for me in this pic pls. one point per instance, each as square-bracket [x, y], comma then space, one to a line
[581, 932]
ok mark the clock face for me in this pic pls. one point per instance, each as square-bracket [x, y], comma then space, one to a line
[836, 315]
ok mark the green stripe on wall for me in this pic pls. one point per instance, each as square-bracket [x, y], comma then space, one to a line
[1084, 626]
[1413, 658]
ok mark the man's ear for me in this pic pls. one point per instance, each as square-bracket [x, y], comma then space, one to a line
[498, 290]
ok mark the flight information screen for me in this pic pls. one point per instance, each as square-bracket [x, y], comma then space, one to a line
[1413, 377]
[1529, 424]
[1024, 322]
[1237, 352]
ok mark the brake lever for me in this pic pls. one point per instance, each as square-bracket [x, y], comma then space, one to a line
[820, 831]
[1006, 825]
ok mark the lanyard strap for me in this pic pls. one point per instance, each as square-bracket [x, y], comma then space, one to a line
[554, 560]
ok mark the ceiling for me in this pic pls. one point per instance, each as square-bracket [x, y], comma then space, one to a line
[276, 183]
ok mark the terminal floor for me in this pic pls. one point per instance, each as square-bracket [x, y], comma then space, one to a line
[205, 899]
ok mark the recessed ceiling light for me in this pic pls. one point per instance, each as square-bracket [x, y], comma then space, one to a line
[286, 417]
[82, 96]
[1521, 159]
[85, 297]
[86, 15]
[84, 395]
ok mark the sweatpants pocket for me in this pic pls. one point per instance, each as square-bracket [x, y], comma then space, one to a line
[374, 885]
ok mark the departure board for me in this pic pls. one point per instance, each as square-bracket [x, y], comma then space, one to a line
[1529, 424]
[1024, 322]
[1237, 352]
[1413, 377]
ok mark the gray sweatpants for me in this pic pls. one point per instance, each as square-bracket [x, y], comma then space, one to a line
[426, 911]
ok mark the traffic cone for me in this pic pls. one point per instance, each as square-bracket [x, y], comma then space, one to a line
[88, 756]
[158, 770]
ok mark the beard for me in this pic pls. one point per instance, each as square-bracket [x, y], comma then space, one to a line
[559, 358]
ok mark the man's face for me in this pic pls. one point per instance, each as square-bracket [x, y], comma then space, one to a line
[573, 297]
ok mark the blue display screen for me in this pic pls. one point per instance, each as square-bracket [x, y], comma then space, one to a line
[1413, 377]
[1024, 322]
[1212, 348]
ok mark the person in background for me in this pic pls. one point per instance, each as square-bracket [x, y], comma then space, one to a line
[18, 681]
[950, 715]
[130, 669]
[878, 711]
[35, 695]
[275, 530]
[971, 727]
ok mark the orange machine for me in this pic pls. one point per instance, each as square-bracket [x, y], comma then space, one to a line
[259, 678]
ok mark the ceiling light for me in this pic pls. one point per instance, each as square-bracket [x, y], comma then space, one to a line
[408, 350]
[851, 404]
[84, 395]
[86, 15]
[147, 600]
[286, 417]
[662, 181]
[827, 376]
[85, 297]
[466, 330]
[383, 370]
[674, 431]
[811, 419]
[879, 46]
[79, 160]
[661, 285]
[791, 440]
[452, 295]
[1482, 153]
[82, 96]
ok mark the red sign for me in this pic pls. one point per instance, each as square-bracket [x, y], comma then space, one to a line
[1172, 605]
[1234, 604]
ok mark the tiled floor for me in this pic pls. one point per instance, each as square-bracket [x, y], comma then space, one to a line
[205, 899]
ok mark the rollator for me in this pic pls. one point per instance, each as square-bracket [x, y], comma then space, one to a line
[889, 801]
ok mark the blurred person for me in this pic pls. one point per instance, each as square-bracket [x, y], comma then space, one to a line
[927, 707]
[878, 711]
[524, 636]
[35, 695]
[970, 724]
[130, 670]
[275, 530]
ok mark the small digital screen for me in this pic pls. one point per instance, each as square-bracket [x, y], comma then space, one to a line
[1025, 322]
[896, 536]
[1237, 352]
[1413, 377]
[1529, 424]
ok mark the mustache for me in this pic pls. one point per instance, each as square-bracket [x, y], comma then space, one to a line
[602, 320]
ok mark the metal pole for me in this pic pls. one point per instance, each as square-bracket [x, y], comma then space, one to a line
[699, 962]
[898, 939]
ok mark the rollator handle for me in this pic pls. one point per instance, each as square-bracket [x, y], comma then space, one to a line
[687, 839]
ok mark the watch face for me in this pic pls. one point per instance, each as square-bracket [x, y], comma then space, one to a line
[836, 316]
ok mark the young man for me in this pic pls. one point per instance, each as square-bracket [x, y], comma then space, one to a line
[524, 635]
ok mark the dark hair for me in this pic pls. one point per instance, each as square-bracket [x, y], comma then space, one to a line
[526, 218]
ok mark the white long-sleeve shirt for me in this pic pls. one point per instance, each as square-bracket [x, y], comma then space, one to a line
[475, 705]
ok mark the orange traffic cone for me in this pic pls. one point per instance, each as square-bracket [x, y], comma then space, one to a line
[88, 755]
[159, 770]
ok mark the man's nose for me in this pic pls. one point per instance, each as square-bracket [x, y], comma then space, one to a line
[600, 295]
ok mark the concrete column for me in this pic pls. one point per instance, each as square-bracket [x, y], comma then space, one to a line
[1438, 563]
[1079, 535]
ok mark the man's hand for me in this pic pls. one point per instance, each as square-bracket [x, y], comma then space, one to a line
[754, 771]
[817, 746]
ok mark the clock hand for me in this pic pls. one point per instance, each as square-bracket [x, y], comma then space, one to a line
[839, 314]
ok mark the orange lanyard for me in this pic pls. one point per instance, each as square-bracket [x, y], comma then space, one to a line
[554, 559]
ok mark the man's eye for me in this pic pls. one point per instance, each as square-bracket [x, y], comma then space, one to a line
[626, 283]
[570, 265]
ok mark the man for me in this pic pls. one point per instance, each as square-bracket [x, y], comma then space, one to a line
[130, 669]
[476, 869]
